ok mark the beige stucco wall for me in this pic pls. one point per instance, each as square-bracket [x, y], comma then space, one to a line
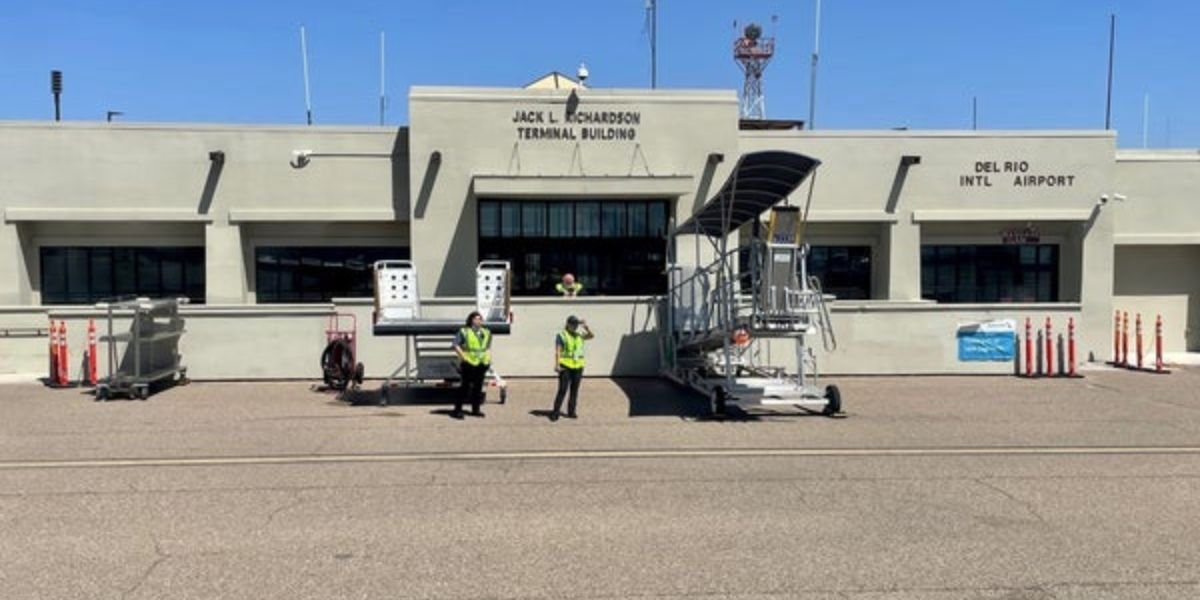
[92, 178]
[1161, 280]
[1157, 232]
[863, 179]
[1162, 197]
[461, 134]
[254, 342]
[110, 184]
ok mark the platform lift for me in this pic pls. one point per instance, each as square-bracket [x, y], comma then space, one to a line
[719, 321]
[429, 343]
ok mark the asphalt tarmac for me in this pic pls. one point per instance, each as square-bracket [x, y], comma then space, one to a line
[926, 488]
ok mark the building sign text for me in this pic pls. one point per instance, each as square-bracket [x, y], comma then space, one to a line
[1015, 173]
[585, 125]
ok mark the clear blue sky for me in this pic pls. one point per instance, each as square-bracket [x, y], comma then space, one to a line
[883, 63]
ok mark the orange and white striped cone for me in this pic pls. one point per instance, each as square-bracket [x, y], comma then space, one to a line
[91, 366]
[64, 366]
[52, 378]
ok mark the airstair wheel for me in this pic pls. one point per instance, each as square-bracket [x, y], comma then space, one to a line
[833, 397]
[719, 401]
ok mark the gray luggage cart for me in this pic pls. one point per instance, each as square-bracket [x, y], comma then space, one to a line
[150, 348]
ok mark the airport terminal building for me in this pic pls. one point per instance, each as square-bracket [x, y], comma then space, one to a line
[270, 229]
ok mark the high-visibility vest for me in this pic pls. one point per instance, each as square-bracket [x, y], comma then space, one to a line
[570, 356]
[572, 289]
[478, 350]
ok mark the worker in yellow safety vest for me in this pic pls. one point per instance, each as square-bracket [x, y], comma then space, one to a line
[568, 363]
[568, 287]
[473, 344]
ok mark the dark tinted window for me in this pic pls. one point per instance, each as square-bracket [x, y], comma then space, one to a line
[90, 274]
[613, 247]
[844, 271]
[990, 273]
[300, 274]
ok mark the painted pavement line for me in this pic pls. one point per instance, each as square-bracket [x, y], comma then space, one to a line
[101, 463]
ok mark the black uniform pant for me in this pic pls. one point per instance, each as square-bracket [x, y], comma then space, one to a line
[472, 386]
[567, 379]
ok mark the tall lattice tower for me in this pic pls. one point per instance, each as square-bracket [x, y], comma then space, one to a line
[752, 52]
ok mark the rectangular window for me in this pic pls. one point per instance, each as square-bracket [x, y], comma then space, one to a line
[587, 219]
[90, 274]
[844, 271]
[990, 273]
[533, 219]
[637, 219]
[510, 220]
[298, 274]
[489, 220]
[562, 219]
[613, 220]
[611, 247]
[656, 220]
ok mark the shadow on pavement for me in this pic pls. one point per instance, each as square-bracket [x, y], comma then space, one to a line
[653, 397]
[541, 412]
[373, 396]
[656, 397]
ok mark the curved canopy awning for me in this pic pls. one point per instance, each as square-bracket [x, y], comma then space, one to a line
[759, 181]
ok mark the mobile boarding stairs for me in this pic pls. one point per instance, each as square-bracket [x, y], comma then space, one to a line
[720, 323]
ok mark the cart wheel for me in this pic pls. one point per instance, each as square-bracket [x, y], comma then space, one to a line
[102, 393]
[141, 392]
[383, 395]
[503, 395]
[183, 378]
[337, 364]
[833, 400]
[719, 401]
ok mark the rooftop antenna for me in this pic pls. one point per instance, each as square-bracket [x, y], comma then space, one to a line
[56, 89]
[652, 16]
[1146, 121]
[753, 52]
[382, 87]
[1112, 38]
[304, 59]
[812, 86]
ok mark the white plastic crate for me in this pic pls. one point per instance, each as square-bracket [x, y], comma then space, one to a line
[492, 290]
[397, 296]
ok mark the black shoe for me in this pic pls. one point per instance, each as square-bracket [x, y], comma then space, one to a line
[478, 413]
[456, 414]
[572, 416]
[553, 416]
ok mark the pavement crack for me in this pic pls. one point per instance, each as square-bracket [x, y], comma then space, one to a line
[297, 501]
[1022, 503]
[160, 557]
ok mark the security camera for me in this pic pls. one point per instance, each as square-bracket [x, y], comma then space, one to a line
[582, 72]
[1104, 198]
[300, 158]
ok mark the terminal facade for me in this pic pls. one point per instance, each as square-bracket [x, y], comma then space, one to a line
[269, 229]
